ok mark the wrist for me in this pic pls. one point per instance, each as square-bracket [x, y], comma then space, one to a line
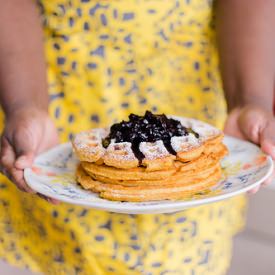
[261, 100]
[23, 110]
[238, 110]
[16, 108]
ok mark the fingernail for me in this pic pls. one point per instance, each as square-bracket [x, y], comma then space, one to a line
[21, 161]
[22, 158]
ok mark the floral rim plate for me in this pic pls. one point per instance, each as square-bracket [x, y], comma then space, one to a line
[52, 175]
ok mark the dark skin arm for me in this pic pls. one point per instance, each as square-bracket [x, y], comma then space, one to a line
[247, 51]
[245, 32]
[22, 70]
[23, 89]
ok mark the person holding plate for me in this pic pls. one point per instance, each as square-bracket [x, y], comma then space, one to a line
[102, 61]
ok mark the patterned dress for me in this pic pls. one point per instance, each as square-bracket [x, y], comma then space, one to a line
[106, 59]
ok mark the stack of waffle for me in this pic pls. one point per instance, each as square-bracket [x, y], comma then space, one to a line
[148, 158]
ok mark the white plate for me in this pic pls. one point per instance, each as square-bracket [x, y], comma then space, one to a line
[53, 175]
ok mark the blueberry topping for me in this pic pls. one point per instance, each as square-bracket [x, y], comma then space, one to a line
[147, 128]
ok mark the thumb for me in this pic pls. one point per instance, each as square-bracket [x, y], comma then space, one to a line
[24, 161]
[25, 149]
[267, 138]
[231, 125]
[252, 122]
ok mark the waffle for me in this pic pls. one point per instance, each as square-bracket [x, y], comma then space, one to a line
[175, 191]
[141, 173]
[177, 177]
[88, 147]
[153, 169]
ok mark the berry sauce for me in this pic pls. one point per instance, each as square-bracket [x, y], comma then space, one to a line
[147, 128]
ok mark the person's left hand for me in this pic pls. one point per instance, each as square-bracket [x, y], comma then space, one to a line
[256, 125]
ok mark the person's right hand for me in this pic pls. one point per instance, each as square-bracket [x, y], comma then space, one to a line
[28, 131]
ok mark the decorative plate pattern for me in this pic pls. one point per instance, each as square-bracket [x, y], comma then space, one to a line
[52, 174]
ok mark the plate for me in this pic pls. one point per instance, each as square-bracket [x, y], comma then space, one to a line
[52, 175]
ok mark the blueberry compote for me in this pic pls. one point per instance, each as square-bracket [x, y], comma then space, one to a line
[147, 128]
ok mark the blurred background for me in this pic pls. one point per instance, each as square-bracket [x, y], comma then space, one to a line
[254, 248]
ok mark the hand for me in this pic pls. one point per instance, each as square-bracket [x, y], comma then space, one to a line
[256, 125]
[28, 132]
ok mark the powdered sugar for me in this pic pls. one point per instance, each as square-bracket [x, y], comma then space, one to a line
[184, 143]
[120, 151]
[153, 150]
[90, 141]
[204, 130]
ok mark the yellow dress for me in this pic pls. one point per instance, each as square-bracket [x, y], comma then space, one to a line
[105, 60]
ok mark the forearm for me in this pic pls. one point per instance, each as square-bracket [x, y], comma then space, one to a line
[246, 42]
[23, 79]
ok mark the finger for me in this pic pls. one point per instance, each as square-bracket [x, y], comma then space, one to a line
[50, 200]
[24, 161]
[268, 139]
[7, 161]
[230, 124]
[253, 191]
[5, 172]
[25, 149]
[10, 177]
[53, 201]
[252, 121]
[18, 178]
[7, 155]
[268, 146]
[270, 179]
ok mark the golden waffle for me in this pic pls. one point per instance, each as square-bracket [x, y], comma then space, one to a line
[175, 178]
[88, 147]
[178, 190]
[127, 174]
[142, 173]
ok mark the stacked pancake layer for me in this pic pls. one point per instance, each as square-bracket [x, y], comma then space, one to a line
[116, 174]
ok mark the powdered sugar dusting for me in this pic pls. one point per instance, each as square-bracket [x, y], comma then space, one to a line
[120, 151]
[90, 141]
[184, 143]
[153, 150]
[204, 129]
